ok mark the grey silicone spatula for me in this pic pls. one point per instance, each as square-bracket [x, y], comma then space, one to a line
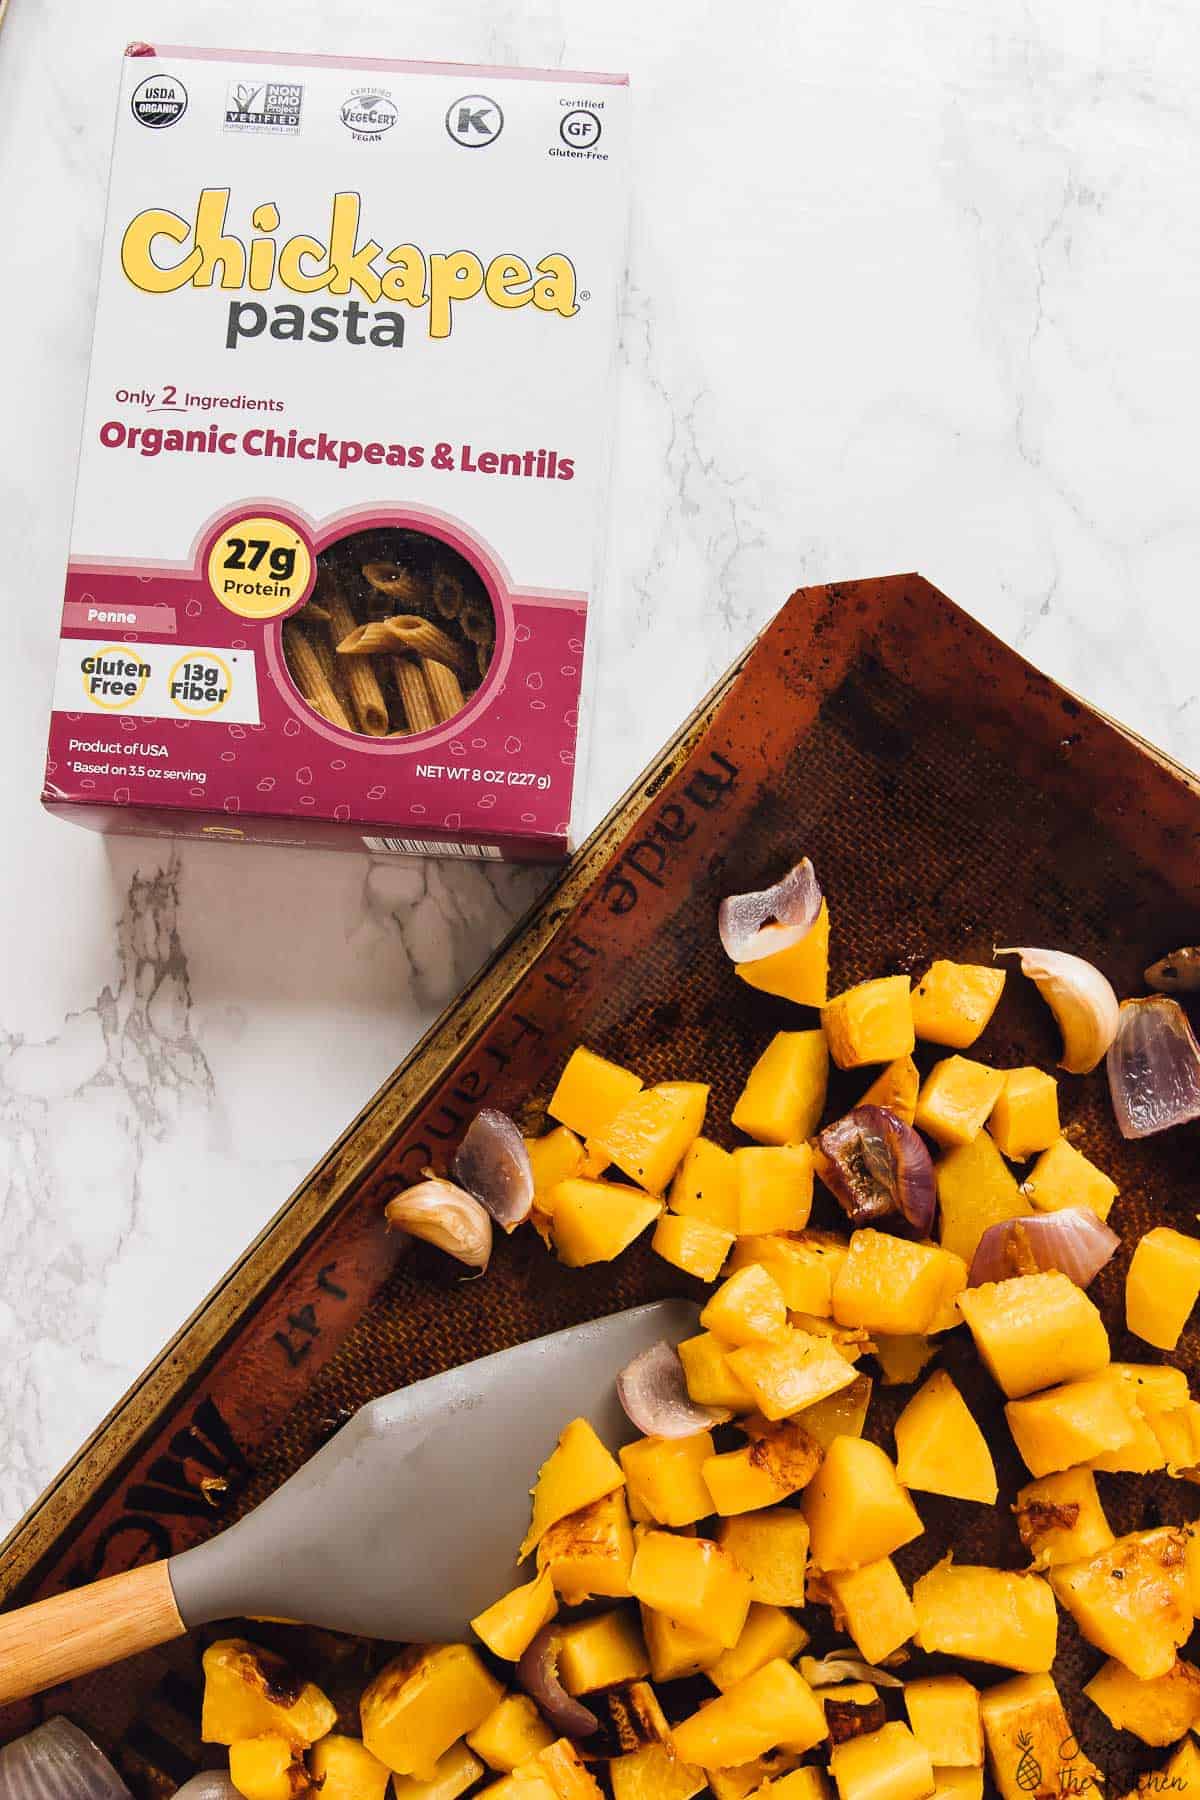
[403, 1526]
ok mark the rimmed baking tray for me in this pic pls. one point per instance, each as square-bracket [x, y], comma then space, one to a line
[951, 797]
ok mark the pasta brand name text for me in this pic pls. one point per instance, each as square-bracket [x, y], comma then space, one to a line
[162, 252]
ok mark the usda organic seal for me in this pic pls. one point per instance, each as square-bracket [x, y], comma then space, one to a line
[159, 101]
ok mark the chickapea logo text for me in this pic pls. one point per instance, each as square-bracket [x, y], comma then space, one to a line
[161, 253]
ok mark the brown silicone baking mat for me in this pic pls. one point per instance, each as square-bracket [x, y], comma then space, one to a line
[951, 798]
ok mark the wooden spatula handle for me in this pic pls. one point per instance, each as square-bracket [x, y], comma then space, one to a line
[88, 1628]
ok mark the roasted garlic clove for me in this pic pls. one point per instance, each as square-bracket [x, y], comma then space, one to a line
[443, 1215]
[1081, 999]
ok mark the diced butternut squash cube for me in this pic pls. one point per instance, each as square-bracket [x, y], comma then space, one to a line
[562, 1766]
[601, 1652]
[888, 1764]
[1160, 1711]
[250, 1692]
[1162, 1286]
[890, 1284]
[269, 1767]
[664, 1476]
[693, 1581]
[856, 1508]
[775, 1187]
[1132, 1600]
[692, 1245]
[589, 1553]
[771, 1548]
[958, 1784]
[591, 1091]
[952, 1002]
[513, 1731]
[774, 1706]
[556, 1156]
[940, 1448]
[738, 1483]
[710, 1380]
[870, 1023]
[943, 1711]
[784, 1095]
[1070, 1424]
[648, 1138]
[896, 1087]
[421, 1702]
[578, 1471]
[344, 1769]
[1024, 1119]
[800, 973]
[457, 1770]
[750, 1778]
[1143, 1453]
[903, 1358]
[784, 1377]
[653, 1772]
[676, 1650]
[1178, 1432]
[876, 1608]
[749, 1308]
[593, 1221]
[808, 1783]
[955, 1099]
[1063, 1176]
[803, 1265]
[510, 1625]
[975, 1188]
[1033, 1331]
[987, 1615]
[842, 1415]
[527, 1783]
[1060, 1518]
[769, 1632]
[705, 1185]
[1031, 1747]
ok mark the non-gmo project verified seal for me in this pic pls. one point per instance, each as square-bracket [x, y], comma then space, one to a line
[265, 106]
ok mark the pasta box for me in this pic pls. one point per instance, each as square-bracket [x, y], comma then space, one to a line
[338, 515]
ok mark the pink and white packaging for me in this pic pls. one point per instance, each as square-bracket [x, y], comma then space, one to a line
[348, 310]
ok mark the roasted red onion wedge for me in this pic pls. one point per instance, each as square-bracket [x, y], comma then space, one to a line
[1073, 1240]
[493, 1164]
[1153, 1067]
[875, 1165]
[57, 1761]
[537, 1673]
[653, 1391]
[756, 925]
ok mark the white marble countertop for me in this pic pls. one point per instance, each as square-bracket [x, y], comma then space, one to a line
[910, 288]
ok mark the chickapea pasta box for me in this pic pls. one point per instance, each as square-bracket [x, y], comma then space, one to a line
[344, 458]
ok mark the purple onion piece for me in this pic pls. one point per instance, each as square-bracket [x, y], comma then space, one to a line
[1153, 1067]
[493, 1165]
[760, 924]
[876, 1166]
[1074, 1240]
[653, 1391]
[537, 1673]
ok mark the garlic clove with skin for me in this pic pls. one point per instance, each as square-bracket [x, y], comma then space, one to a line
[1081, 999]
[444, 1215]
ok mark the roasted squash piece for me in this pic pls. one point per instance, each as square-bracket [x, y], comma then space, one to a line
[344, 1769]
[842, 1415]
[527, 1783]
[1034, 1331]
[891, 1285]
[784, 1095]
[769, 1632]
[705, 1185]
[943, 1711]
[896, 1087]
[1060, 1518]
[749, 1778]
[975, 1188]
[1071, 1424]
[693, 1245]
[578, 1471]
[774, 1706]
[1160, 1711]
[804, 1264]
[421, 1702]
[1143, 1453]
[940, 1448]
[1063, 1176]
[664, 1475]
[593, 1221]
[269, 1767]
[775, 1187]
[1162, 1286]
[590, 1092]
[903, 1358]
[987, 1615]
[958, 1784]
[771, 1548]
[1029, 1741]
[676, 1650]
[749, 1308]
[694, 1581]
[888, 1764]
[856, 1507]
[710, 1380]
[601, 1652]
[952, 1002]
[780, 1459]
[654, 1772]
[784, 1377]
[250, 1693]
[648, 1137]
[870, 1023]
[800, 973]
[589, 1553]
[874, 1603]
[1132, 1600]
[457, 1770]
[509, 1626]
[556, 1156]
[808, 1783]
[513, 1731]
[955, 1099]
[1024, 1119]
[562, 1766]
